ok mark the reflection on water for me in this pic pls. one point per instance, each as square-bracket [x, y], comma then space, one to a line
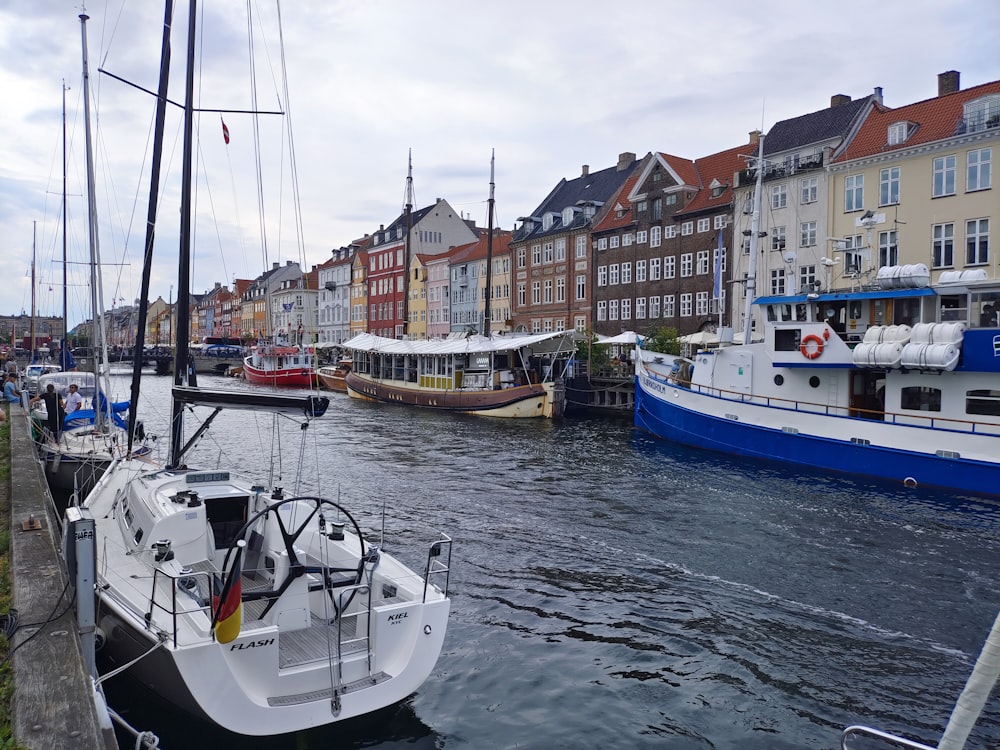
[610, 590]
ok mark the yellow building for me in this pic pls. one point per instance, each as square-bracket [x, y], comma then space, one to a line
[914, 185]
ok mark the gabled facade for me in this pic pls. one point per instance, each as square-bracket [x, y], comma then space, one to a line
[432, 231]
[359, 293]
[794, 223]
[417, 329]
[627, 239]
[335, 294]
[293, 308]
[438, 285]
[915, 185]
[550, 252]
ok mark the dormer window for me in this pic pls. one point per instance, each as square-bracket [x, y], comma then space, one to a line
[982, 113]
[717, 188]
[898, 132]
[548, 219]
[620, 211]
[567, 216]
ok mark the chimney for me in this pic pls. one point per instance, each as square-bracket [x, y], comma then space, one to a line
[877, 96]
[275, 266]
[838, 99]
[625, 160]
[948, 82]
[754, 137]
[585, 171]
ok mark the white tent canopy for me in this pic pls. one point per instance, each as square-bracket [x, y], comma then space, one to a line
[626, 337]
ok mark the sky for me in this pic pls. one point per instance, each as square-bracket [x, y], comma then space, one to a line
[351, 88]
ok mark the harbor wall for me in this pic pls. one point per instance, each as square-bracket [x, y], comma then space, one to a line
[53, 703]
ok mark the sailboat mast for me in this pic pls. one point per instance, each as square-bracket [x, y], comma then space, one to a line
[489, 253]
[34, 233]
[63, 351]
[184, 265]
[97, 338]
[751, 288]
[154, 192]
[408, 221]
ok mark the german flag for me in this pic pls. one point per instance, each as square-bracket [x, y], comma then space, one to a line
[227, 600]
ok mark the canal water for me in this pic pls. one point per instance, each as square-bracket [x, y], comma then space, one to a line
[614, 591]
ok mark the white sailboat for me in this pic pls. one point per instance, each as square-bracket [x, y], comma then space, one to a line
[261, 612]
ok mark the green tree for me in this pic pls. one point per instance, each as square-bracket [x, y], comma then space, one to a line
[662, 339]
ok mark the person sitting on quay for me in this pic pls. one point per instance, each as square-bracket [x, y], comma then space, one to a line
[74, 401]
[11, 393]
[54, 409]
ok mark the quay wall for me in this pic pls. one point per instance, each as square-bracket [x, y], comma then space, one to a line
[53, 705]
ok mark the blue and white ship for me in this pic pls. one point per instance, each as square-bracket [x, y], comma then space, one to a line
[898, 380]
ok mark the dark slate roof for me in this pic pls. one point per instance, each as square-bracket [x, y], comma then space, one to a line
[416, 216]
[814, 127]
[597, 187]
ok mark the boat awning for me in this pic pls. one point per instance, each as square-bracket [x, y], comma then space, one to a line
[475, 344]
[794, 299]
[310, 406]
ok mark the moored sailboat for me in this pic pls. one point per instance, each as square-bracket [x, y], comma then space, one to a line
[261, 612]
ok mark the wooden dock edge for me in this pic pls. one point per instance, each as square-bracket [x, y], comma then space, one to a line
[53, 705]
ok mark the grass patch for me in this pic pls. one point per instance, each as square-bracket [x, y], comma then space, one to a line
[7, 741]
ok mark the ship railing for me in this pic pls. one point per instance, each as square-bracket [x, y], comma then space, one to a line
[885, 739]
[438, 564]
[196, 585]
[919, 421]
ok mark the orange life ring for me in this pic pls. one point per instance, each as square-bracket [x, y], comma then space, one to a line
[808, 353]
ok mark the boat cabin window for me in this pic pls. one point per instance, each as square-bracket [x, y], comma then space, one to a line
[983, 401]
[906, 312]
[779, 312]
[920, 398]
[834, 314]
[986, 310]
[954, 307]
[226, 516]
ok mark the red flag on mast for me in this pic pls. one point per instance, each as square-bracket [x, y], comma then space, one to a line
[225, 131]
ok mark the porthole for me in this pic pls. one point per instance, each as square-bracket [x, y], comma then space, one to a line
[779, 379]
[814, 381]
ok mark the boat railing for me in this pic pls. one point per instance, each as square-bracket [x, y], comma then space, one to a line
[195, 584]
[852, 412]
[887, 740]
[438, 564]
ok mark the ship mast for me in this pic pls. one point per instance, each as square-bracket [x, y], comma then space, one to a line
[408, 222]
[489, 253]
[751, 288]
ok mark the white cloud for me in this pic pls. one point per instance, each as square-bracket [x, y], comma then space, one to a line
[551, 86]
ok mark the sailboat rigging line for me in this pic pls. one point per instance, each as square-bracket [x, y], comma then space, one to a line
[256, 141]
[198, 110]
[293, 164]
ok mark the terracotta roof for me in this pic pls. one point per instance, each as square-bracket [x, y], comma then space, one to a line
[611, 220]
[720, 167]
[931, 120]
[685, 169]
[477, 250]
